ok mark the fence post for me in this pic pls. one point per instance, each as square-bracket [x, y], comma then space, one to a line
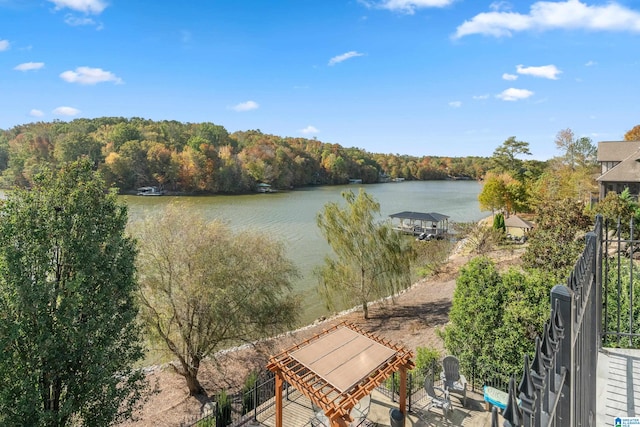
[410, 390]
[527, 394]
[255, 398]
[599, 231]
[562, 301]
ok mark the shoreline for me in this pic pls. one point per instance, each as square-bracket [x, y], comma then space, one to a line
[412, 319]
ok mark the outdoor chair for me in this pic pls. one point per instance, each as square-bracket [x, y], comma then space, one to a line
[360, 411]
[438, 397]
[454, 382]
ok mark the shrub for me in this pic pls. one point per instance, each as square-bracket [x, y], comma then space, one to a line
[223, 408]
[248, 401]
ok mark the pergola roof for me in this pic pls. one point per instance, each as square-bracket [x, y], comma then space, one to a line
[338, 367]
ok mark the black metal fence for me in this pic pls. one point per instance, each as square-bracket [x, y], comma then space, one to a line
[239, 408]
[558, 387]
[621, 302]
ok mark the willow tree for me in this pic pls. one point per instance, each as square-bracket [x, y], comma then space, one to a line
[68, 330]
[370, 260]
[204, 287]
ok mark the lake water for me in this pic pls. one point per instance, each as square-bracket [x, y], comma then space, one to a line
[291, 217]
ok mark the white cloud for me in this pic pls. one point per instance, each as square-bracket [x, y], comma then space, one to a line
[66, 111]
[337, 59]
[500, 5]
[36, 113]
[544, 71]
[480, 97]
[455, 104]
[513, 94]
[309, 130]
[75, 21]
[4, 45]
[90, 76]
[28, 66]
[590, 63]
[546, 15]
[94, 7]
[507, 76]
[246, 106]
[406, 6]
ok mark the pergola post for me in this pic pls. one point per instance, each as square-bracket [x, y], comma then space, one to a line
[279, 399]
[403, 392]
[311, 367]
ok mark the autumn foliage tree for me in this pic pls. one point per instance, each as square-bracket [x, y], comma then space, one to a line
[633, 134]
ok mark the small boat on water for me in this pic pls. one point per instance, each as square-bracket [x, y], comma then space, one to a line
[264, 188]
[149, 191]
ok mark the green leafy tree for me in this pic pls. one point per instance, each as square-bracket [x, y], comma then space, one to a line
[498, 223]
[618, 207]
[495, 317]
[503, 192]
[204, 287]
[576, 152]
[558, 237]
[505, 157]
[68, 329]
[475, 314]
[371, 259]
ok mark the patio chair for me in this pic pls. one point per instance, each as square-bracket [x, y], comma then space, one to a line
[360, 411]
[438, 397]
[454, 382]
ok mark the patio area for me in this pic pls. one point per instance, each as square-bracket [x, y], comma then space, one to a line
[298, 412]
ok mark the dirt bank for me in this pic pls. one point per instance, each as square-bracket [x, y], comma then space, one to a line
[412, 320]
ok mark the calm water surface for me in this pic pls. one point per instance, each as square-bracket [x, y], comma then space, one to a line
[291, 217]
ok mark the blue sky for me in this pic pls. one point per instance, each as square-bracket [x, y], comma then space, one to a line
[419, 77]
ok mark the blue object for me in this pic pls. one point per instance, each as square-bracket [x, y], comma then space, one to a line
[495, 397]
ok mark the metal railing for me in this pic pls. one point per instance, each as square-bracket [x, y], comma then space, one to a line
[239, 408]
[621, 302]
[558, 387]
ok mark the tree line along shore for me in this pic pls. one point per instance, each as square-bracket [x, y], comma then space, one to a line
[78, 290]
[203, 158]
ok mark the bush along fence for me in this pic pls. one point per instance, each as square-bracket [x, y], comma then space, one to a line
[557, 384]
[558, 387]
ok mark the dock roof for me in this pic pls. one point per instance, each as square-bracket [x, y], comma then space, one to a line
[420, 216]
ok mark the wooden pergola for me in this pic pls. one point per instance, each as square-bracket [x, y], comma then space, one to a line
[335, 369]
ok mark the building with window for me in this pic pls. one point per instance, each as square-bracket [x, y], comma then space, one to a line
[620, 167]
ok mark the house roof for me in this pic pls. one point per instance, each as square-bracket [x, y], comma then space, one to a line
[421, 216]
[628, 170]
[517, 222]
[616, 151]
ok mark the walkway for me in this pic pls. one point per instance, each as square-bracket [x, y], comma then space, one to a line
[618, 385]
[297, 412]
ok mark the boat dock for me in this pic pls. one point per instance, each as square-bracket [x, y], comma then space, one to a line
[431, 225]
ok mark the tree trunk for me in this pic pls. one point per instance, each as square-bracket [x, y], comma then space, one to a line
[193, 384]
[191, 375]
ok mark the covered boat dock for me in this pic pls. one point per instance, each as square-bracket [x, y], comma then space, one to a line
[431, 225]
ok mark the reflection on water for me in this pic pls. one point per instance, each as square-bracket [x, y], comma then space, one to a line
[291, 217]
